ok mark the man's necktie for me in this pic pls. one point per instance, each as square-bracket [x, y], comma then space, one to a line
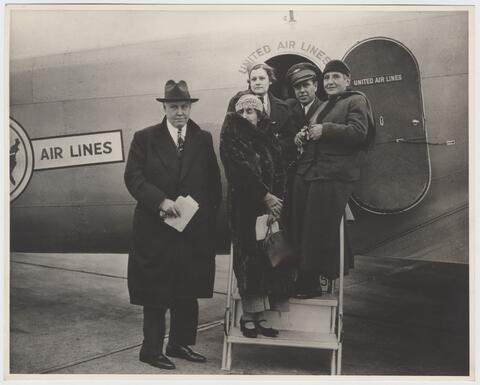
[180, 142]
[304, 111]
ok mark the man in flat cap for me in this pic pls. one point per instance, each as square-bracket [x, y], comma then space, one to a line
[335, 133]
[168, 269]
[303, 79]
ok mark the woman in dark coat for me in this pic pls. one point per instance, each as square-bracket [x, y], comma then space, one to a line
[254, 168]
[325, 176]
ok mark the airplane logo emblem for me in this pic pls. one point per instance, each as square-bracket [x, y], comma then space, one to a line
[21, 159]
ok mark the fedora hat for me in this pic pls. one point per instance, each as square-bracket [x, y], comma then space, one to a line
[176, 92]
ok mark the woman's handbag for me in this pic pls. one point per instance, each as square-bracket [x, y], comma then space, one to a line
[277, 247]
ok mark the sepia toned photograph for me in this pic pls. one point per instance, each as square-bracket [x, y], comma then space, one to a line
[226, 190]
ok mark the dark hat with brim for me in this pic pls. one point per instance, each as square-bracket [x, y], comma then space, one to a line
[337, 66]
[176, 92]
[300, 72]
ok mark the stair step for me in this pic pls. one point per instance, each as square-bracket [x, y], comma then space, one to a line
[288, 338]
[324, 300]
[306, 315]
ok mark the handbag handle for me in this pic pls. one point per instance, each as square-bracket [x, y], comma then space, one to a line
[269, 230]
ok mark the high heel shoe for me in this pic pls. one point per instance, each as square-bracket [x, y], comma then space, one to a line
[247, 332]
[267, 332]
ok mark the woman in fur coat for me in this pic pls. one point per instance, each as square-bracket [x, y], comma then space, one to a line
[255, 171]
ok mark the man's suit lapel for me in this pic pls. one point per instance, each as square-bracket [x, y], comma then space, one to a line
[298, 115]
[190, 148]
[166, 149]
[312, 109]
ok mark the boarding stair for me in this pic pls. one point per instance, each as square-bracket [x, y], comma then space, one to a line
[315, 323]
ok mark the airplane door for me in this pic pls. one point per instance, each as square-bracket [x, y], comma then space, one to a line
[396, 173]
[281, 63]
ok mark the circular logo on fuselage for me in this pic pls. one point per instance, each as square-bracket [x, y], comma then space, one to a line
[21, 159]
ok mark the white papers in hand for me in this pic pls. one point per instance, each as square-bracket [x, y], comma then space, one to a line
[187, 207]
[261, 227]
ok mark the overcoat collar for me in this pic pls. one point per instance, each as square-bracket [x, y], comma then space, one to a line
[274, 106]
[299, 110]
[242, 129]
[314, 107]
[191, 147]
[167, 150]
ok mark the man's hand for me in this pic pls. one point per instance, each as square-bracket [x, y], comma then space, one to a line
[168, 208]
[301, 137]
[274, 205]
[315, 131]
[298, 139]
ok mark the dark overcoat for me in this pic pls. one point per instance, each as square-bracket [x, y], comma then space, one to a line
[253, 161]
[324, 179]
[299, 118]
[163, 263]
[348, 128]
[281, 124]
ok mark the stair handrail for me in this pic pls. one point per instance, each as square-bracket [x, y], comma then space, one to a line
[227, 321]
[341, 273]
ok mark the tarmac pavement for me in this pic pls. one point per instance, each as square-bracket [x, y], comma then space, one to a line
[70, 314]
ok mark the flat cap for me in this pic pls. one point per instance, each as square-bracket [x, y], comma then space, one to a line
[337, 66]
[300, 72]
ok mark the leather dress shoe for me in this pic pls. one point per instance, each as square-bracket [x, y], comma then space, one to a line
[248, 332]
[267, 332]
[158, 360]
[184, 352]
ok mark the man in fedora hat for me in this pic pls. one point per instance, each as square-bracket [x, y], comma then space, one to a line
[168, 269]
[335, 133]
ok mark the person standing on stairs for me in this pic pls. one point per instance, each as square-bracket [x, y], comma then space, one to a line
[254, 167]
[335, 132]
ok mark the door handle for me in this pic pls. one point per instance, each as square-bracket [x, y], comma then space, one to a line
[381, 120]
[415, 122]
